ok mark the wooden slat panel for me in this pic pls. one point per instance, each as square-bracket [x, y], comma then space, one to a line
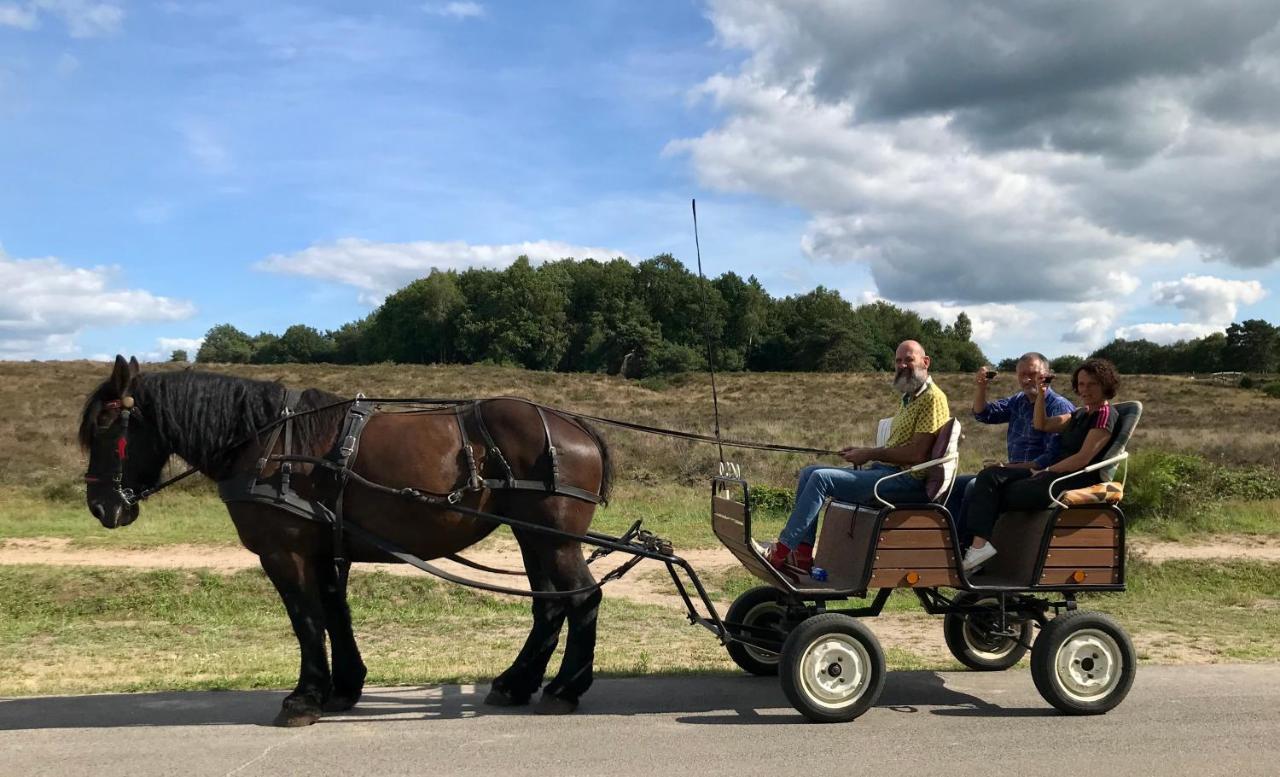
[914, 559]
[897, 578]
[728, 507]
[729, 530]
[905, 520]
[915, 538]
[1098, 519]
[1085, 538]
[1092, 576]
[1082, 557]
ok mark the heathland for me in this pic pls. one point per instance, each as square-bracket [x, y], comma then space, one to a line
[1207, 464]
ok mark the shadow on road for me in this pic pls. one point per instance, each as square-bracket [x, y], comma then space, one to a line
[738, 700]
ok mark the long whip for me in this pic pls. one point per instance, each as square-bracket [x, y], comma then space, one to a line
[706, 328]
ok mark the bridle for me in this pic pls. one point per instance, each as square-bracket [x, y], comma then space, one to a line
[127, 495]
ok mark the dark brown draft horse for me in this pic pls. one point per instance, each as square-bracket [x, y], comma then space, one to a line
[201, 416]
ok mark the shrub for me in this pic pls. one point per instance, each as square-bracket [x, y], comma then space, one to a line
[1272, 389]
[772, 498]
[1247, 382]
[1159, 484]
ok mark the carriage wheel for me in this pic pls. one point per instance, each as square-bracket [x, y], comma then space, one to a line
[1083, 663]
[970, 639]
[832, 668]
[761, 607]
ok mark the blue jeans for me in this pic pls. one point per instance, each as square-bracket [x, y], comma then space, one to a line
[958, 505]
[854, 486]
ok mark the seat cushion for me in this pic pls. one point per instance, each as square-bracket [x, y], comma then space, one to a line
[937, 482]
[1110, 493]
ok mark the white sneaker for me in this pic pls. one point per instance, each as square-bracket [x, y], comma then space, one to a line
[976, 557]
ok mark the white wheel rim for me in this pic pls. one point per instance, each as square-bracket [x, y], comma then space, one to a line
[835, 671]
[979, 644]
[1088, 665]
[753, 617]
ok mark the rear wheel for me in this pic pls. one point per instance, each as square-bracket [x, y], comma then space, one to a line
[971, 639]
[832, 668]
[762, 608]
[1083, 663]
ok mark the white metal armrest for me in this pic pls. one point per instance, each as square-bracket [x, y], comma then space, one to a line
[875, 491]
[1091, 468]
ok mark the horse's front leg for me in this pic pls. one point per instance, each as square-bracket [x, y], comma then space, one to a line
[297, 581]
[348, 668]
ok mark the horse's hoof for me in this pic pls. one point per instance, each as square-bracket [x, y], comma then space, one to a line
[554, 705]
[341, 703]
[295, 718]
[498, 698]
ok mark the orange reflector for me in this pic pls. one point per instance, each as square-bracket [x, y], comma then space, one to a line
[1079, 576]
[913, 578]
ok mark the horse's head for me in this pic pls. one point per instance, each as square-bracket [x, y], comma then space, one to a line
[125, 453]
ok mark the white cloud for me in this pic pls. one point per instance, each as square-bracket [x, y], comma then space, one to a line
[1001, 153]
[1087, 325]
[83, 18]
[165, 346]
[991, 321]
[377, 269]
[1165, 333]
[1208, 300]
[47, 304]
[13, 15]
[456, 10]
[205, 146]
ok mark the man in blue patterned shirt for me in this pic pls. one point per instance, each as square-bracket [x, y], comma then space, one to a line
[1025, 446]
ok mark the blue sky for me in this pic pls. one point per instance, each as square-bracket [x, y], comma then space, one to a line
[168, 166]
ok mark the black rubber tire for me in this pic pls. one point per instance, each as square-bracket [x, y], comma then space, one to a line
[760, 606]
[970, 648]
[837, 640]
[1078, 632]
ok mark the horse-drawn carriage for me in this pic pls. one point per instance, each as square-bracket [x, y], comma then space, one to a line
[313, 482]
[831, 665]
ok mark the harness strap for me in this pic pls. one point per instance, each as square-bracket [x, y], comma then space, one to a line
[554, 483]
[474, 482]
[490, 446]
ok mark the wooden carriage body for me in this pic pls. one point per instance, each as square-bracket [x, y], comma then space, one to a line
[1071, 549]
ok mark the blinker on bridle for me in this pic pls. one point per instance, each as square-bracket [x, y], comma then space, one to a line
[125, 406]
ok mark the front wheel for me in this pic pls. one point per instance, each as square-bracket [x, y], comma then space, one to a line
[971, 639]
[763, 608]
[1083, 663]
[832, 668]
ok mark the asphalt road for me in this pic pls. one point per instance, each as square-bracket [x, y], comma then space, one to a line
[1201, 720]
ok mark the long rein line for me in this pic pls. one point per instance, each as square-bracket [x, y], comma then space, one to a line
[629, 425]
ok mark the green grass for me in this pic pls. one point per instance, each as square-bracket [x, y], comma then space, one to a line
[76, 630]
[166, 519]
[1259, 517]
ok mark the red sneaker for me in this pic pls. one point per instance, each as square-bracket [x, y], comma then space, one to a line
[802, 557]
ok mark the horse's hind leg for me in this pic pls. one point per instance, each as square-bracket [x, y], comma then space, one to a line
[348, 669]
[296, 579]
[518, 683]
[569, 572]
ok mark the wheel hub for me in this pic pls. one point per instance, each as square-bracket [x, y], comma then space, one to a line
[836, 670]
[1088, 665]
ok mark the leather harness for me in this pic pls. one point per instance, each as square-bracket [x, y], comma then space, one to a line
[278, 491]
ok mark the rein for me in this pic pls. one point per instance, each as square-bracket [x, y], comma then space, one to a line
[130, 498]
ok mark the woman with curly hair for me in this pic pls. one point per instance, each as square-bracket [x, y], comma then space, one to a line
[1084, 436]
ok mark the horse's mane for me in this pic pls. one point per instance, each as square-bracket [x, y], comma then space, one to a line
[203, 416]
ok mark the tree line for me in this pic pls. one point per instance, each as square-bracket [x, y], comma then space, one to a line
[654, 317]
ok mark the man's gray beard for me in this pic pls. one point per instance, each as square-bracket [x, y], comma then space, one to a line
[910, 382]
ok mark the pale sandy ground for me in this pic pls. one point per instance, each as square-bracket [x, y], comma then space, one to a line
[648, 583]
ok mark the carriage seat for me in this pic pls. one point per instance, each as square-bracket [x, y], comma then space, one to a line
[1109, 491]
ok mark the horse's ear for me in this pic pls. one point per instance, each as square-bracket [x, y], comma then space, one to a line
[134, 368]
[121, 374]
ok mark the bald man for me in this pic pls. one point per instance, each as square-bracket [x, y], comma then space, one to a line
[922, 410]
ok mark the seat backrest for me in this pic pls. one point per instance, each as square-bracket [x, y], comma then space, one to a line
[883, 428]
[1127, 416]
[939, 480]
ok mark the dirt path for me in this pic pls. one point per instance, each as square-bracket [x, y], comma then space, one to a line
[647, 584]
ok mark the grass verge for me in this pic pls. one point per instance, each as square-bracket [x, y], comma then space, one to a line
[79, 630]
